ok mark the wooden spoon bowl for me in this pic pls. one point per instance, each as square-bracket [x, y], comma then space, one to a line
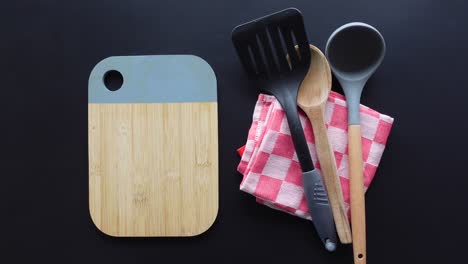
[317, 83]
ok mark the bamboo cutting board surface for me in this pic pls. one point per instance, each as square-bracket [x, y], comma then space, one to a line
[153, 147]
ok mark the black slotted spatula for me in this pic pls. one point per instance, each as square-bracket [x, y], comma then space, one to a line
[267, 50]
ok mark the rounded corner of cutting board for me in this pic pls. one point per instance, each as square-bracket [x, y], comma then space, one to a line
[99, 227]
[207, 66]
[208, 226]
[97, 69]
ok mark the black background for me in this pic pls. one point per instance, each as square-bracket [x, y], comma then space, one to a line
[415, 209]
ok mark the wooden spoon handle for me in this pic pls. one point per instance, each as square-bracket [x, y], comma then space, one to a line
[356, 181]
[329, 172]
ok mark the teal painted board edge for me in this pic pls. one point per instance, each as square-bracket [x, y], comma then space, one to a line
[154, 79]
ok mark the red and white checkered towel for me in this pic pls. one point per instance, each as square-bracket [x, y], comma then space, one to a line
[269, 163]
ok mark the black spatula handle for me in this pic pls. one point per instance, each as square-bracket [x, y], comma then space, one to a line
[320, 210]
[288, 101]
[314, 189]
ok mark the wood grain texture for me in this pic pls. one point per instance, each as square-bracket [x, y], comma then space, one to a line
[312, 97]
[330, 176]
[153, 168]
[356, 181]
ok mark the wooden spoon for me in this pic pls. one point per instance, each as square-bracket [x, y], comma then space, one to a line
[312, 96]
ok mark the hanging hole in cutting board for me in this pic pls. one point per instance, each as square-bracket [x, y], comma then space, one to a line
[113, 80]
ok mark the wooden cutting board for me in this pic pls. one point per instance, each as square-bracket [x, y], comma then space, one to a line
[153, 147]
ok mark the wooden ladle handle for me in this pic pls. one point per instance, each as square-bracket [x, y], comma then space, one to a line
[356, 180]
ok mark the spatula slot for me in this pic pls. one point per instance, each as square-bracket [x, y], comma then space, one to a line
[266, 52]
[257, 55]
[274, 52]
[295, 41]
[279, 48]
[290, 47]
[282, 43]
[252, 63]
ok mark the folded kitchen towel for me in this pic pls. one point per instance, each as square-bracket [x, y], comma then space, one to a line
[269, 163]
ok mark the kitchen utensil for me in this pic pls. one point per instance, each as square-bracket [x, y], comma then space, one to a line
[312, 96]
[354, 51]
[153, 146]
[266, 48]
